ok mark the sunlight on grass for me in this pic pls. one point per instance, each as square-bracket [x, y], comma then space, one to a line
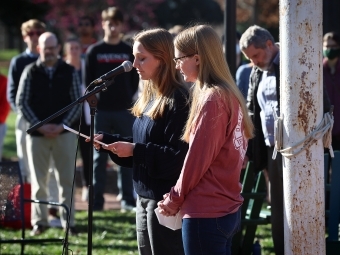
[9, 149]
[113, 233]
[6, 55]
[4, 70]
[263, 234]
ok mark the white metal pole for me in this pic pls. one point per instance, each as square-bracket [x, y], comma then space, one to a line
[302, 109]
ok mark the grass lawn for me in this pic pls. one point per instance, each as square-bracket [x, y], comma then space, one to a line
[263, 234]
[113, 233]
[5, 57]
[9, 149]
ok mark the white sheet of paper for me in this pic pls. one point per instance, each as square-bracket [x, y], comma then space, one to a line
[172, 222]
[85, 136]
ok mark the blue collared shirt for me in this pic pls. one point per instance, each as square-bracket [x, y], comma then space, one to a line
[31, 54]
[267, 99]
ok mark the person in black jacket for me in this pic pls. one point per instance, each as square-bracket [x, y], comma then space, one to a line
[113, 104]
[47, 86]
[155, 152]
[258, 45]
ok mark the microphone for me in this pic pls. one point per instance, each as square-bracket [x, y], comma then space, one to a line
[126, 66]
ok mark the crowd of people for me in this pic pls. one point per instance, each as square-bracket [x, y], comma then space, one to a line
[179, 145]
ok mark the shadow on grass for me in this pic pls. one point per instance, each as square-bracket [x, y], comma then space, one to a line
[120, 247]
[121, 217]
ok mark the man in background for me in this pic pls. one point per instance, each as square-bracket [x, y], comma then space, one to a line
[86, 32]
[258, 45]
[30, 30]
[112, 114]
[47, 86]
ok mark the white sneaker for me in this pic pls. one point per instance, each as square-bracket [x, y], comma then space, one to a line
[119, 197]
[85, 194]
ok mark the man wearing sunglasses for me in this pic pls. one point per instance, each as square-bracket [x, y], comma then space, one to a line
[30, 30]
[86, 32]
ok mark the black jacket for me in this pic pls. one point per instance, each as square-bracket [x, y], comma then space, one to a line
[159, 152]
[257, 149]
[16, 67]
[39, 96]
[101, 58]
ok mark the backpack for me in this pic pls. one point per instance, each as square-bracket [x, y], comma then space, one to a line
[11, 215]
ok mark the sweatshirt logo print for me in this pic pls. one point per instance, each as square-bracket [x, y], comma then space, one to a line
[238, 138]
[112, 57]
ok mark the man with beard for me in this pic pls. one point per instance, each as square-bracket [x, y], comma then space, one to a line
[46, 86]
[258, 45]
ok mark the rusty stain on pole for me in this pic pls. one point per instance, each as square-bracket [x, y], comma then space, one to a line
[301, 106]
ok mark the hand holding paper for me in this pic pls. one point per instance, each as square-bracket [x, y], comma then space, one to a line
[85, 136]
[172, 222]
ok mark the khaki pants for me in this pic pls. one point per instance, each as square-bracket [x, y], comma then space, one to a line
[20, 136]
[62, 151]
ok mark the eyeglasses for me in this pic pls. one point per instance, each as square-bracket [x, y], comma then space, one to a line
[31, 33]
[51, 48]
[187, 56]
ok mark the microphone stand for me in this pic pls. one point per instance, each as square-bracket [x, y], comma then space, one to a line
[92, 100]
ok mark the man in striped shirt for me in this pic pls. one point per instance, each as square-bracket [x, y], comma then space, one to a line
[46, 86]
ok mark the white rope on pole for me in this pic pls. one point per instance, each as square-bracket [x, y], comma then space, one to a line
[323, 131]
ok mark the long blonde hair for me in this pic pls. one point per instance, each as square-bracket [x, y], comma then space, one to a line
[159, 43]
[213, 73]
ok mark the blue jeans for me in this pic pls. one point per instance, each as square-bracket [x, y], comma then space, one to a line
[210, 236]
[118, 122]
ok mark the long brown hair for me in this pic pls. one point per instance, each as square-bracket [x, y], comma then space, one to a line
[159, 43]
[213, 73]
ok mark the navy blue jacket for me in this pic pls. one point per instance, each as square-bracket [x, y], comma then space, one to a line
[16, 67]
[159, 152]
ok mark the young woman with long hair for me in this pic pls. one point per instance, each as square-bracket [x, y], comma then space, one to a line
[155, 152]
[207, 193]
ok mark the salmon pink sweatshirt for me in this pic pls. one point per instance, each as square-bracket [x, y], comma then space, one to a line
[208, 186]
